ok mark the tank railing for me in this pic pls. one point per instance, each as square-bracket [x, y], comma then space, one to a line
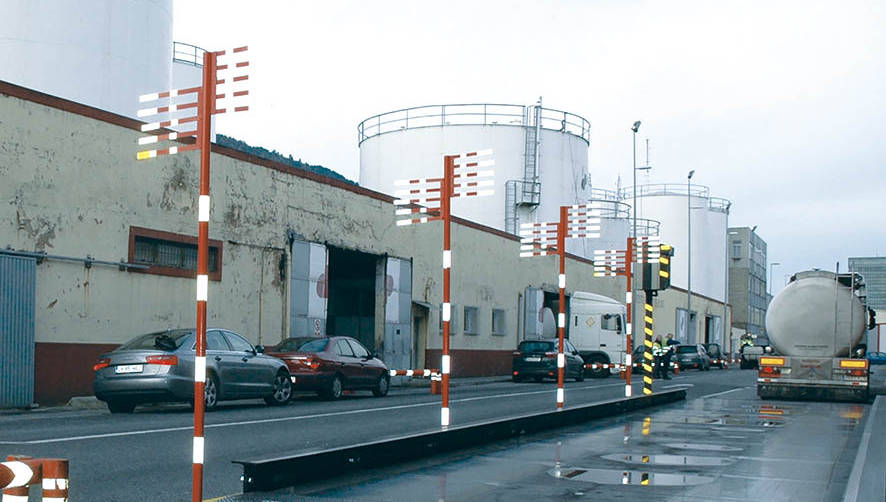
[187, 53]
[470, 114]
[648, 228]
[604, 194]
[611, 208]
[720, 205]
[666, 189]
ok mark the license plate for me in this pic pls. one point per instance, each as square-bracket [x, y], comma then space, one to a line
[128, 368]
[532, 359]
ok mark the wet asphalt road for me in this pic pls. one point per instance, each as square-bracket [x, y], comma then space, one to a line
[147, 455]
[719, 445]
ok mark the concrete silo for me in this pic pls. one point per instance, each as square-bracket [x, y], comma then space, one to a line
[541, 156]
[103, 53]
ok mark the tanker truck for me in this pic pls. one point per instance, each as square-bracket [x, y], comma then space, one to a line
[815, 325]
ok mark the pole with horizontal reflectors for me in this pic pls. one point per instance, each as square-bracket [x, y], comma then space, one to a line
[542, 239]
[429, 199]
[206, 106]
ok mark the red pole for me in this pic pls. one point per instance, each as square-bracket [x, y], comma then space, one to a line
[204, 125]
[445, 366]
[629, 260]
[561, 317]
[55, 479]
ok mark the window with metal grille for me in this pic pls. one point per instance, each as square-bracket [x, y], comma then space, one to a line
[498, 322]
[171, 254]
[471, 315]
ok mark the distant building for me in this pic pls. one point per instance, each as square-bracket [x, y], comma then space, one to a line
[873, 269]
[747, 280]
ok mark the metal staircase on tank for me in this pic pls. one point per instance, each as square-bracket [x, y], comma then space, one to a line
[526, 192]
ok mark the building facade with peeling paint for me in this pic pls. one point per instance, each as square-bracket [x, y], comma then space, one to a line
[111, 248]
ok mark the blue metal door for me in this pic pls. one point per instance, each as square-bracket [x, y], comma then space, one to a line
[18, 276]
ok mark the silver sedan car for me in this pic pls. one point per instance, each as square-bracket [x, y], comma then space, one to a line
[159, 367]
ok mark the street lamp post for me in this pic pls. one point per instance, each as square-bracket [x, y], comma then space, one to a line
[688, 251]
[634, 128]
[771, 266]
[726, 339]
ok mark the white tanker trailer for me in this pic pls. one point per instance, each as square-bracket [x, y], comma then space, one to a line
[814, 325]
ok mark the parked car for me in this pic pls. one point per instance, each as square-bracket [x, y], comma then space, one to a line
[331, 365]
[159, 367]
[876, 358]
[716, 356]
[537, 359]
[693, 356]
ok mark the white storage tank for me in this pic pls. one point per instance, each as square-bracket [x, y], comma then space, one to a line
[670, 204]
[616, 225]
[541, 156]
[102, 53]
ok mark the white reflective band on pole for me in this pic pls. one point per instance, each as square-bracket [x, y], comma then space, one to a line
[560, 396]
[628, 325]
[203, 211]
[561, 320]
[562, 281]
[200, 369]
[21, 474]
[447, 312]
[561, 360]
[202, 288]
[447, 259]
[55, 484]
[444, 365]
[629, 297]
[198, 450]
[15, 498]
[628, 359]
[444, 417]
[628, 390]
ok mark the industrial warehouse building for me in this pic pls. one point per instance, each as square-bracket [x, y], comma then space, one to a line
[292, 253]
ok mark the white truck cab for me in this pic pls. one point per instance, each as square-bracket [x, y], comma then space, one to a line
[597, 329]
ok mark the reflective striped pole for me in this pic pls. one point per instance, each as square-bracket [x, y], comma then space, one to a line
[561, 316]
[17, 475]
[629, 302]
[445, 213]
[55, 480]
[647, 355]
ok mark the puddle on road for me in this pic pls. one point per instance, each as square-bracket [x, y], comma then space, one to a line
[702, 447]
[671, 460]
[625, 477]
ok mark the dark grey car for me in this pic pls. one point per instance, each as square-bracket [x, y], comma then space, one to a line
[159, 367]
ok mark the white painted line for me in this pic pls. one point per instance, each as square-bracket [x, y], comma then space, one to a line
[289, 419]
[726, 392]
[854, 483]
[679, 386]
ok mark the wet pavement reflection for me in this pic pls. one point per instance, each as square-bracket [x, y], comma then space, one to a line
[730, 447]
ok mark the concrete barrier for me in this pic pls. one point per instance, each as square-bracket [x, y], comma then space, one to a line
[275, 473]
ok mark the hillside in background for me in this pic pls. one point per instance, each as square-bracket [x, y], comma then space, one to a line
[273, 155]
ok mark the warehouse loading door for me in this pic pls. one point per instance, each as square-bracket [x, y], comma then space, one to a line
[352, 295]
[309, 289]
[398, 344]
[18, 278]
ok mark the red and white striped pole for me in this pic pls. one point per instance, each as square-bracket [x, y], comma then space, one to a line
[17, 475]
[561, 316]
[445, 213]
[55, 480]
[629, 303]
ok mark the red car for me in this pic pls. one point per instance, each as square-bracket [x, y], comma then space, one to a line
[330, 365]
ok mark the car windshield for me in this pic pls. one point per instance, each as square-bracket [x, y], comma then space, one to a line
[314, 345]
[162, 340]
[294, 344]
[686, 349]
[536, 346]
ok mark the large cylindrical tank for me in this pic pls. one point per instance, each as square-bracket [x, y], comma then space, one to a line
[815, 315]
[672, 205]
[102, 53]
[410, 143]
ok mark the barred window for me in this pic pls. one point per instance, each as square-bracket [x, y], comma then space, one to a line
[171, 254]
[470, 320]
[498, 322]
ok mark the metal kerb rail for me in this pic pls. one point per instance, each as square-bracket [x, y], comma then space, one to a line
[19, 473]
[429, 199]
[541, 239]
[220, 82]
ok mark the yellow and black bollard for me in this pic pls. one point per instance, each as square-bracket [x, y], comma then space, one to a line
[647, 354]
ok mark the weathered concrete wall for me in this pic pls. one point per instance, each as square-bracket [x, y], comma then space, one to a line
[72, 187]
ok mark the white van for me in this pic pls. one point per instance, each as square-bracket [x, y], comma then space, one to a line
[597, 329]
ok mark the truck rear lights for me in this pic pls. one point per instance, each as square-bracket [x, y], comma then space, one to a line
[772, 361]
[102, 363]
[164, 360]
[858, 373]
[770, 371]
[854, 363]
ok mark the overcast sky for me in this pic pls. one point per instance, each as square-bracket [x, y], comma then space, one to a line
[777, 105]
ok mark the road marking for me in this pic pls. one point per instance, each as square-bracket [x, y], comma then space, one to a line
[679, 386]
[288, 419]
[726, 392]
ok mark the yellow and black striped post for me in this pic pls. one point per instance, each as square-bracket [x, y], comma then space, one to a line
[647, 354]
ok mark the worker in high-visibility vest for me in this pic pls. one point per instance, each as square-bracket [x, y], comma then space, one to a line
[658, 358]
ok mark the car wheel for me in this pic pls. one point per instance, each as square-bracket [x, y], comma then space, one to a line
[210, 393]
[381, 386]
[335, 388]
[121, 406]
[600, 371]
[516, 379]
[580, 374]
[282, 390]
